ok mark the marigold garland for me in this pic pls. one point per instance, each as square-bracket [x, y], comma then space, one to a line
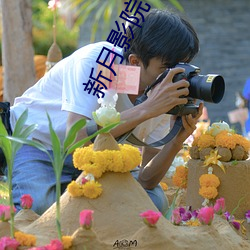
[98, 162]
[208, 186]
[180, 177]
[24, 239]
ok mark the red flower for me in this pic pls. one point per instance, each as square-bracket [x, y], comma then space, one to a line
[26, 201]
[86, 218]
[150, 217]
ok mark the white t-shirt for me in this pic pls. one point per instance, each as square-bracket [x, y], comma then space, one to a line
[61, 90]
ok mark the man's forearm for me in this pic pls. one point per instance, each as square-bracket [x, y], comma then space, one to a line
[151, 174]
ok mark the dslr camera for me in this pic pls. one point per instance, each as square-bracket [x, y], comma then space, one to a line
[209, 88]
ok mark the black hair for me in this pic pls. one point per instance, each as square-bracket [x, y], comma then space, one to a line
[163, 35]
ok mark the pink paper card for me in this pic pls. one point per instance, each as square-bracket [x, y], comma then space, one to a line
[238, 115]
[126, 81]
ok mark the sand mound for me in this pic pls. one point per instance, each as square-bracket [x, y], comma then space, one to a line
[117, 223]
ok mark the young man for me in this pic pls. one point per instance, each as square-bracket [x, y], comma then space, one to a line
[163, 40]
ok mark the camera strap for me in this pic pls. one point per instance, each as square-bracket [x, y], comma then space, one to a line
[131, 138]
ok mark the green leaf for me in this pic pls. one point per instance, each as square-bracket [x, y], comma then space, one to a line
[5, 144]
[35, 144]
[172, 207]
[24, 134]
[56, 147]
[71, 136]
[20, 123]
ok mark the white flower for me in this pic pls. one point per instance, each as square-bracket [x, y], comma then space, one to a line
[217, 127]
[105, 116]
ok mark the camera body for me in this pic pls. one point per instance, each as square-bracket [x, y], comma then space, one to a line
[209, 88]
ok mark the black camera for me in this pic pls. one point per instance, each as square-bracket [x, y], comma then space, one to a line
[209, 88]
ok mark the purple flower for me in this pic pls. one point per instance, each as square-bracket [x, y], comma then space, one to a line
[195, 214]
[236, 224]
[228, 216]
[248, 216]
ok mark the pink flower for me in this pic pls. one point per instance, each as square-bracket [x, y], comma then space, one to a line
[86, 218]
[176, 217]
[5, 212]
[206, 215]
[8, 243]
[39, 248]
[55, 245]
[26, 201]
[54, 4]
[219, 206]
[84, 180]
[150, 217]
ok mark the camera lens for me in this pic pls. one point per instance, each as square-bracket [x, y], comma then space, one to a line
[209, 88]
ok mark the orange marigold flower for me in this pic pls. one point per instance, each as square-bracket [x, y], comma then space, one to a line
[242, 141]
[209, 180]
[164, 186]
[180, 177]
[206, 141]
[208, 192]
[226, 140]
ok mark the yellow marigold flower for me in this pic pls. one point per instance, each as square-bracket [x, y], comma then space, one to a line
[208, 192]
[83, 156]
[92, 189]
[67, 242]
[164, 186]
[209, 180]
[93, 169]
[27, 240]
[180, 177]
[75, 189]
[131, 157]
[206, 141]
[193, 223]
[226, 140]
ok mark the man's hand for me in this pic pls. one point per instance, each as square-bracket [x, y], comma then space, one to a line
[188, 125]
[167, 94]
